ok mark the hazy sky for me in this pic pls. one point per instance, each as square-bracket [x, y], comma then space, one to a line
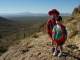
[37, 6]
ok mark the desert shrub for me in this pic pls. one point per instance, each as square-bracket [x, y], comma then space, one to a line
[35, 35]
[2, 50]
[0, 36]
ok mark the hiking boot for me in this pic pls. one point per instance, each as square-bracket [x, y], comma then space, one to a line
[59, 54]
[55, 53]
[53, 49]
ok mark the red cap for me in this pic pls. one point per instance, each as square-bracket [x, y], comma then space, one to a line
[53, 11]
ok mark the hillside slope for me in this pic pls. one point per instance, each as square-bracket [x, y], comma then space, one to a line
[37, 46]
[38, 49]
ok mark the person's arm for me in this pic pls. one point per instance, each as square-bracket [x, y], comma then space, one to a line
[48, 28]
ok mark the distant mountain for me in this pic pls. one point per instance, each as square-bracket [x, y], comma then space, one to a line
[5, 22]
[31, 14]
[24, 14]
[2, 19]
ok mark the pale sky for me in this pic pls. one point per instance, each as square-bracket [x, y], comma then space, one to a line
[37, 6]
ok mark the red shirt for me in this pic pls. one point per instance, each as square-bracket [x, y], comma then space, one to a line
[50, 25]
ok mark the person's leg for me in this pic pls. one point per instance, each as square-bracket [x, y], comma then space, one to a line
[53, 46]
[55, 50]
[60, 50]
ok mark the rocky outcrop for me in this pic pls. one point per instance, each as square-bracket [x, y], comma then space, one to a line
[76, 11]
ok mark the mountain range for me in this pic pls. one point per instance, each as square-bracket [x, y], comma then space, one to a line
[31, 14]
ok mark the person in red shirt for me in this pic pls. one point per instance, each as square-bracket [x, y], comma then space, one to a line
[54, 21]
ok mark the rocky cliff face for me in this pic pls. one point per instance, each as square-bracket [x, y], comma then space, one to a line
[76, 11]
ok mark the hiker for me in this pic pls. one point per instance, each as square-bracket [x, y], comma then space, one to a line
[51, 22]
[57, 32]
